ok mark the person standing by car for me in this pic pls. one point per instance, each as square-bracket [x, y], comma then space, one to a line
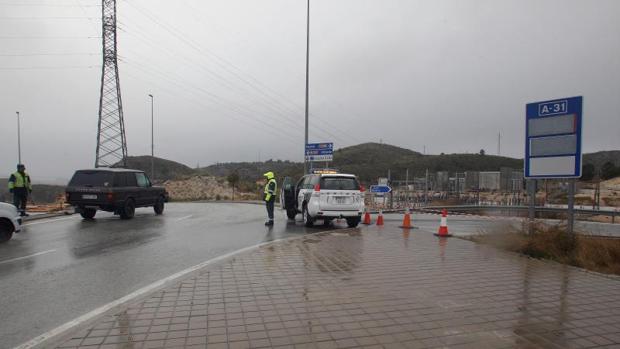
[270, 195]
[20, 186]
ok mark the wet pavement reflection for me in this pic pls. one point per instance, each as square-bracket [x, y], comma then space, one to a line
[375, 286]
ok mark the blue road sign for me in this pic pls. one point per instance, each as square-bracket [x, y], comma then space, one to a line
[320, 152]
[553, 138]
[380, 189]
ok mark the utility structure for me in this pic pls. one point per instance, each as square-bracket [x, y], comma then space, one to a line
[111, 142]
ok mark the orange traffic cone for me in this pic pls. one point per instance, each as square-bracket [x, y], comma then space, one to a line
[380, 218]
[443, 227]
[407, 221]
[367, 218]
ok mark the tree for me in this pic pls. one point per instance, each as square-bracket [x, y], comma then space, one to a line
[482, 152]
[609, 170]
[233, 179]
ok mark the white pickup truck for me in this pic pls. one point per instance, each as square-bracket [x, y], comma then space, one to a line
[10, 221]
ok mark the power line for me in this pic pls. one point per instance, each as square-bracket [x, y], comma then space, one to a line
[47, 54]
[183, 38]
[47, 18]
[48, 37]
[246, 114]
[44, 5]
[51, 67]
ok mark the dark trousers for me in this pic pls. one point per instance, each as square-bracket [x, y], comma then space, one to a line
[20, 197]
[270, 206]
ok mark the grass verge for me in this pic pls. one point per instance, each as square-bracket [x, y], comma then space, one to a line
[593, 253]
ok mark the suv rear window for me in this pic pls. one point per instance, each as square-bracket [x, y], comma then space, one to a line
[339, 183]
[92, 179]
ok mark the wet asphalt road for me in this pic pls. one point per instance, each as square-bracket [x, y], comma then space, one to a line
[58, 269]
[61, 268]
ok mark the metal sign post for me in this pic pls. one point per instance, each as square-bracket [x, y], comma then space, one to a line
[553, 144]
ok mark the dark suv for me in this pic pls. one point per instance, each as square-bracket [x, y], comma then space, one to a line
[114, 190]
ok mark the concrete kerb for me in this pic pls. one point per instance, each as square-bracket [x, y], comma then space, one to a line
[62, 333]
[35, 217]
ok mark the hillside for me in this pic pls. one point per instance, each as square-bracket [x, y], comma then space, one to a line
[372, 160]
[600, 157]
[164, 169]
[41, 193]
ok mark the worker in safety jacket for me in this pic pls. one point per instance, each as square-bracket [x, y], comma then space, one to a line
[20, 186]
[270, 195]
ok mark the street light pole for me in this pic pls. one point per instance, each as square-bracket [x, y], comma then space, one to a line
[307, 83]
[19, 141]
[152, 142]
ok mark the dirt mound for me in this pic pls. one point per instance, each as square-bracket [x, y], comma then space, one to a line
[203, 188]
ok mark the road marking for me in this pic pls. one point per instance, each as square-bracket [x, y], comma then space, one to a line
[56, 333]
[26, 257]
[184, 218]
[47, 221]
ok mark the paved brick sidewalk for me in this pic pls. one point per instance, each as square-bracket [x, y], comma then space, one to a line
[381, 288]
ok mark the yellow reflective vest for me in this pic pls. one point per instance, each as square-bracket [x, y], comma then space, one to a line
[270, 189]
[19, 180]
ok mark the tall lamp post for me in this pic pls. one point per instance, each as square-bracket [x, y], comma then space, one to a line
[307, 73]
[152, 142]
[19, 142]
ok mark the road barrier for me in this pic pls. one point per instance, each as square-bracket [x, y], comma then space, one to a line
[380, 218]
[367, 220]
[443, 226]
[407, 220]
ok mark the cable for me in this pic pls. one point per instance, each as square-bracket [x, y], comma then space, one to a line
[50, 67]
[148, 14]
[219, 100]
[170, 29]
[47, 54]
[48, 37]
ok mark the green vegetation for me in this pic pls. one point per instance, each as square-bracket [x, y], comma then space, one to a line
[552, 242]
[369, 161]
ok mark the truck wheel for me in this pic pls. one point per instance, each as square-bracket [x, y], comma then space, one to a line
[88, 213]
[308, 221]
[159, 205]
[6, 231]
[291, 213]
[353, 222]
[128, 210]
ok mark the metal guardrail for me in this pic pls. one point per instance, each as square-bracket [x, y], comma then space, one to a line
[612, 214]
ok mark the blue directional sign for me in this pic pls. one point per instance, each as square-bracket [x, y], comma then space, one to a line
[380, 189]
[553, 138]
[320, 152]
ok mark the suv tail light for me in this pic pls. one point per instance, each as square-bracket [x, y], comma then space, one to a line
[317, 187]
[362, 189]
[110, 196]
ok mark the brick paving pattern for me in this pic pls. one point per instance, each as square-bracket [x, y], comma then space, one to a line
[372, 288]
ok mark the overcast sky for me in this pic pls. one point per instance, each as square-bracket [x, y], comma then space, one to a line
[228, 75]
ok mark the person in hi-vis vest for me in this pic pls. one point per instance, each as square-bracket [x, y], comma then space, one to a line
[270, 195]
[20, 186]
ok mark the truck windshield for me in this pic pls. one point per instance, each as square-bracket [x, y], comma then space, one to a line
[91, 179]
[339, 183]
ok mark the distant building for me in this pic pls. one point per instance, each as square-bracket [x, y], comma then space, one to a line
[472, 180]
[489, 180]
[443, 181]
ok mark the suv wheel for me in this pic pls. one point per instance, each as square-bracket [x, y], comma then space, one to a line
[88, 213]
[6, 231]
[159, 206]
[308, 221]
[128, 210]
[291, 213]
[353, 222]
